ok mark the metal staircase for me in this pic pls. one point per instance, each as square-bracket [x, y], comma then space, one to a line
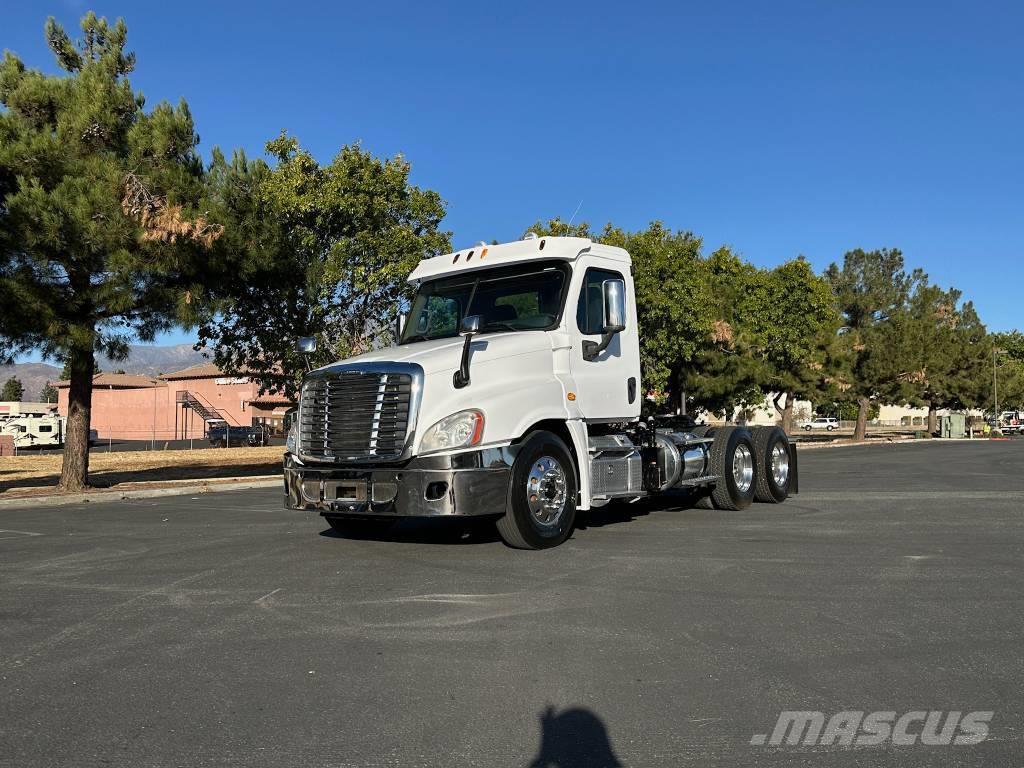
[202, 407]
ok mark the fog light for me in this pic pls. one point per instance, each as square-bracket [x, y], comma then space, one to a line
[383, 492]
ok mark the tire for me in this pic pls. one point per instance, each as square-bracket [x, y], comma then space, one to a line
[358, 527]
[771, 459]
[732, 459]
[830, 428]
[544, 518]
[702, 431]
[807, 428]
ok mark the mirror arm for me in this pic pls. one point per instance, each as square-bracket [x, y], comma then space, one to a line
[460, 378]
[591, 349]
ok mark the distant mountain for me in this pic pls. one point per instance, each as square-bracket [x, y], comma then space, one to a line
[33, 377]
[153, 361]
[147, 360]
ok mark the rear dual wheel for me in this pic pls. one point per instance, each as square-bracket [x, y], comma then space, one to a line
[771, 455]
[732, 461]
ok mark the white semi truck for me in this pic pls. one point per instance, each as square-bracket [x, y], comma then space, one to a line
[513, 391]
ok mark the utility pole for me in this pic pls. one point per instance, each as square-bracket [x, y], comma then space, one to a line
[995, 383]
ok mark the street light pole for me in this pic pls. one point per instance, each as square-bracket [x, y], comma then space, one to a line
[995, 386]
[995, 382]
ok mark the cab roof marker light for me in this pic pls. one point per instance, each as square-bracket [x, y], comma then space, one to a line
[483, 253]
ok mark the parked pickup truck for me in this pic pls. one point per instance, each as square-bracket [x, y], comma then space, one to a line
[514, 392]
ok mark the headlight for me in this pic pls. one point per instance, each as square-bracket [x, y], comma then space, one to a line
[292, 444]
[460, 430]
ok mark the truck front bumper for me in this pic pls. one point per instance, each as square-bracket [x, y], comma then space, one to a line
[466, 484]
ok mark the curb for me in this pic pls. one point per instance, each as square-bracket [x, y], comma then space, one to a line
[851, 444]
[126, 494]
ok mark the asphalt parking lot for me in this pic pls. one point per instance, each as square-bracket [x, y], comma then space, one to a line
[224, 630]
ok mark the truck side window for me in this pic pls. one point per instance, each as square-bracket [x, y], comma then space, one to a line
[590, 310]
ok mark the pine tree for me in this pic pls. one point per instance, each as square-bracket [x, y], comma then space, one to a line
[48, 394]
[103, 237]
[13, 390]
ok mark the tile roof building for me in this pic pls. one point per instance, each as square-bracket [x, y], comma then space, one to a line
[175, 406]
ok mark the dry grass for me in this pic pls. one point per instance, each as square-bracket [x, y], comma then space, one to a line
[30, 474]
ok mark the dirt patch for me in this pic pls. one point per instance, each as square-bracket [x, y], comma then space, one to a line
[26, 475]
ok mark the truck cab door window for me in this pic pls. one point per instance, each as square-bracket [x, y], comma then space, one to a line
[590, 309]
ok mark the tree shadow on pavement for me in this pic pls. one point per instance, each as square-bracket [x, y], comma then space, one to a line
[105, 478]
[575, 738]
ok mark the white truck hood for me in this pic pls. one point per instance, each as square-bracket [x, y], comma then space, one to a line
[440, 355]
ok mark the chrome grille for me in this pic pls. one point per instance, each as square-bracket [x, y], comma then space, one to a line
[355, 415]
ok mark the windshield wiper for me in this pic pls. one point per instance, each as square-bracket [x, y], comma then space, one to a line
[500, 324]
[417, 337]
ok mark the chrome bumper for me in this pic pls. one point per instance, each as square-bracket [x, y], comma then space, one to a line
[466, 484]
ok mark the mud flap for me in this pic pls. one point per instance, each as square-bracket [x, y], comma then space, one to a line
[794, 472]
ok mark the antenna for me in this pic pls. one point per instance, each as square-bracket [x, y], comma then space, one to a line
[575, 212]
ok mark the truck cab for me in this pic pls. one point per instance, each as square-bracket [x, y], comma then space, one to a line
[513, 391]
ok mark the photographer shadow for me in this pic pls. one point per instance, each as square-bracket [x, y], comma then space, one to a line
[574, 738]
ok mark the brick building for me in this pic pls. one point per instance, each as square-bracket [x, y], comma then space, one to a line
[176, 405]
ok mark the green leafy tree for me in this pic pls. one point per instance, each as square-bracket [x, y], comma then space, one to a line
[103, 237]
[791, 322]
[1005, 371]
[327, 250]
[722, 373]
[48, 394]
[872, 291]
[946, 349]
[13, 390]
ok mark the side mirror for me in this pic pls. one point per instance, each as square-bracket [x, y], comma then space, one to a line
[306, 345]
[614, 306]
[400, 322]
[613, 318]
[470, 324]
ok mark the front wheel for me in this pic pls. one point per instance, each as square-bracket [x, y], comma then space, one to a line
[541, 506]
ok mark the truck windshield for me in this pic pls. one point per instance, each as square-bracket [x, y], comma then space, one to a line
[520, 297]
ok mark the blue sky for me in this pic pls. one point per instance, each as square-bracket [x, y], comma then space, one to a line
[779, 128]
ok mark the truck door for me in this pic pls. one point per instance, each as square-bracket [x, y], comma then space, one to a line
[608, 385]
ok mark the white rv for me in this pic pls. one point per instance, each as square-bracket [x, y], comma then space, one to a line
[31, 431]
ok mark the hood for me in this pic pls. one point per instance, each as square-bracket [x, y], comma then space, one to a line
[445, 354]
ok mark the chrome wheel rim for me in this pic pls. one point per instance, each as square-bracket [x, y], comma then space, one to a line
[742, 468]
[780, 465]
[546, 491]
